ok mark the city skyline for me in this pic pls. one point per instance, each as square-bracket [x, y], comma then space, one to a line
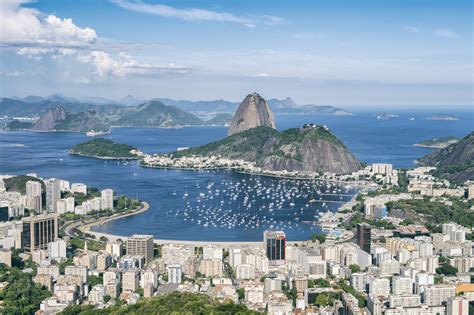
[325, 52]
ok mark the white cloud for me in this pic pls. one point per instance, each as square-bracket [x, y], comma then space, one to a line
[446, 33]
[125, 65]
[37, 36]
[411, 29]
[195, 14]
[263, 75]
[26, 26]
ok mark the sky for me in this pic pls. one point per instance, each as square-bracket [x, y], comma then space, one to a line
[325, 52]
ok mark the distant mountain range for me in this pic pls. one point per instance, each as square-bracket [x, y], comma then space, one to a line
[286, 106]
[98, 118]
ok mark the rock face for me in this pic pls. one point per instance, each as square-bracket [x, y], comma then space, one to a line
[252, 112]
[308, 149]
[50, 119]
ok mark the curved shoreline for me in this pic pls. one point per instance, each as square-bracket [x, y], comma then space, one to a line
[145, 206]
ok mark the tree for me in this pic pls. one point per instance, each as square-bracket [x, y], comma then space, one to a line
[354, 268]
[447, 270]
[322, 300]
[21, 295]
[319, 237]
[241, 293]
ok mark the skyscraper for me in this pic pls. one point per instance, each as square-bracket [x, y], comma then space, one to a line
[141, 245]
[34, 199]
[53, 193]
[363, 236]
[275, 242]
[39, 230]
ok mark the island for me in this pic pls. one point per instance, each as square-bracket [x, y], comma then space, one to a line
[105, 149]
[442, 117]
[387, 116]
[437, 143]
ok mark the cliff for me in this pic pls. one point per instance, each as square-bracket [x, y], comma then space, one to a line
[310, 149]
[252, 112]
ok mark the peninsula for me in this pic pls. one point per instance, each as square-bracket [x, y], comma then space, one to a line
[105, 149]
[437, 143]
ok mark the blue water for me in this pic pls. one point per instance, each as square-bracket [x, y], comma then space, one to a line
[369, 139]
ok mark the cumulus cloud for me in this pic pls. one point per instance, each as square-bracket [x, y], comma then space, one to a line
[26, 26]
[195, 14]
[446, 33]
[36, 35]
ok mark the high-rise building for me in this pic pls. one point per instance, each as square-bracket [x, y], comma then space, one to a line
[275, 245]
[175, 272]
[458, 305]
[141, 245]
[107, 196]
[57, 249]
[363, 236]
[437, 294]
[33, 195]
[79, 188]
[38, 231]
[53, 194]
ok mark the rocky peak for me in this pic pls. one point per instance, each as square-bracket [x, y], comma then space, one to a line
[252, 112]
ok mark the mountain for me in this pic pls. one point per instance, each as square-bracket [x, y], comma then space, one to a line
[219, 106]
[252, 112]
[156, 114]
[222, 119]
[58, 119]
[49, 120]
[455, 162]
[310, 149]
[324, 110]
[130, 101]
[32, 99]
[276, 104]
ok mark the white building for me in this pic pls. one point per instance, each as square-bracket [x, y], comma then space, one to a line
[33, 195]
[212, 252]
[244, 271]
[57, 249]
[53, 193]
[436, 294]
[79, 188]
[402, 285]
[174, 273]
[379, 287]
[404, 300]
[107, 199]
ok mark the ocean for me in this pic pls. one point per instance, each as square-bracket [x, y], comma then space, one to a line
[241, 209]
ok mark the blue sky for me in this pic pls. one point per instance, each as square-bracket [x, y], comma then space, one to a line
[347, 53]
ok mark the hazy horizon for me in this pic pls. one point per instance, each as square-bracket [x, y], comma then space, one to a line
[338, 53]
